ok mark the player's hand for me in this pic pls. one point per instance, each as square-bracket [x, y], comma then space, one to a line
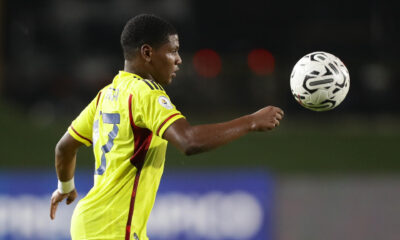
[266, 118]
[58, 197]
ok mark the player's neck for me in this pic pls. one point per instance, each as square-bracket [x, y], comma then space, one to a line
[136, 68]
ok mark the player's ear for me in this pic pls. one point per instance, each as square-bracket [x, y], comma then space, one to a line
[146, 51]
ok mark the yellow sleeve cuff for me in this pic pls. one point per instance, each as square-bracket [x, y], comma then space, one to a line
[167, 122]
[78, 137]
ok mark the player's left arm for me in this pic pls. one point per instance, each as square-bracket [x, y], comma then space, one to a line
[200, 138]
[65, 161]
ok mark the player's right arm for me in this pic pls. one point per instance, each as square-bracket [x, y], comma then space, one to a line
[65, 161]
[78, 134]
[200, 138]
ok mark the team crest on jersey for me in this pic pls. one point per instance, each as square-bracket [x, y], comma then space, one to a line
[164, 101]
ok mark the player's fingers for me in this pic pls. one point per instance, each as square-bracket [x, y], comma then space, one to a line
[55, 199]
[273, 123]
[279, 116]
[53, 209]
[280, 111]
[277, 122]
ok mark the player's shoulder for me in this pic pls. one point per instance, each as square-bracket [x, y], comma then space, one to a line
[144, 88]
[149, 85]
[137, 86]
[105, 88]
[101, 92]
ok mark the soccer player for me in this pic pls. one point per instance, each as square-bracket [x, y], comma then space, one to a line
[129, 124]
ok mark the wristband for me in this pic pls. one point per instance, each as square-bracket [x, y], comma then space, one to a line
[66, 187]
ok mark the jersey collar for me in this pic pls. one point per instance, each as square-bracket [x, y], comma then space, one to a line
[123, 74]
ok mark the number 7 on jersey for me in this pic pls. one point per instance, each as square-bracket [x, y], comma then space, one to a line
[108, 118]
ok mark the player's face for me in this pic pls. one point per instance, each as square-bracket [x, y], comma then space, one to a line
[165, 60]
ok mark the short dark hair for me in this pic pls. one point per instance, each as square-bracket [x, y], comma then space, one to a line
[144, 29]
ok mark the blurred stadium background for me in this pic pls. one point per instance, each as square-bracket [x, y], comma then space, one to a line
[330, 175]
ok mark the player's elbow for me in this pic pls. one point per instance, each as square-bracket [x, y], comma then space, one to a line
[193, 146]
[192, 149]
[184, 137]
[187, 144]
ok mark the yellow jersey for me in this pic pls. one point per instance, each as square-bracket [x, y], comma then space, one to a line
[124, 123]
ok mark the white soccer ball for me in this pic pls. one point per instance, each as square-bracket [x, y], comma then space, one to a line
[319, 81]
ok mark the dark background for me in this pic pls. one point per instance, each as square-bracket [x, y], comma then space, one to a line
[55, 56]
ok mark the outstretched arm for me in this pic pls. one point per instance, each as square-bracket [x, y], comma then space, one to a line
[196, 139]
[65, 161]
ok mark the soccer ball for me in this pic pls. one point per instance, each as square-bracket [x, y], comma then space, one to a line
[319, 81]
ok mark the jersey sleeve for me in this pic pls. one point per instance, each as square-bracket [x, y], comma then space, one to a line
[157, 112]
[82, 127]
